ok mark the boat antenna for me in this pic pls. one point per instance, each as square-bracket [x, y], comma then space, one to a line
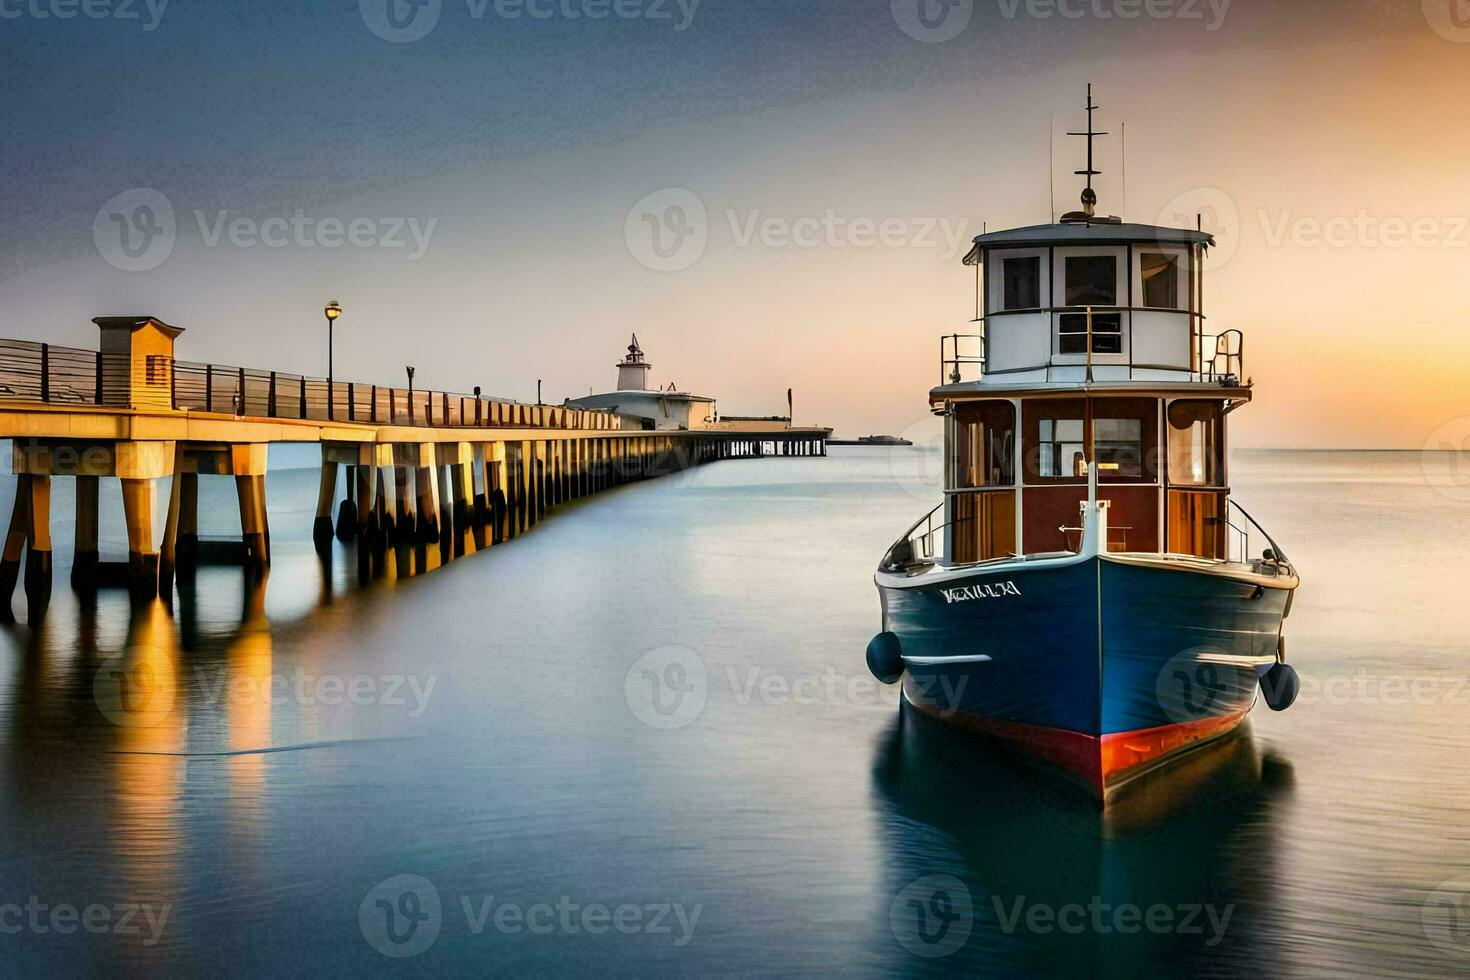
[1125, 168]
[1089, 196]
[1051, 164]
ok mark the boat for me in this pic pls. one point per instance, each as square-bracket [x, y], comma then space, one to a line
[1089, 593]
[871, 441]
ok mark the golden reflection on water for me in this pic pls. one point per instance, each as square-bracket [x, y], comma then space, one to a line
[249, 696]
[140, 690]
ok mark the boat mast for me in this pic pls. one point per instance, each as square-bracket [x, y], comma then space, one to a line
[1089, 196]
[1089, 211]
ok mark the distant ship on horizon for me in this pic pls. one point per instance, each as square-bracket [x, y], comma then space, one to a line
[870, 441]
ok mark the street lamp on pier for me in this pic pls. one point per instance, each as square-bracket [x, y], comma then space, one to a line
[333, 310]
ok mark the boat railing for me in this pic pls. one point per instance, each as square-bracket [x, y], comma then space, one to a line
[918, 547]
[1241, 536]
[961, 357]
[1218, 358]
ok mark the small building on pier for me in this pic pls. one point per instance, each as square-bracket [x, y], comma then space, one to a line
[652, 409]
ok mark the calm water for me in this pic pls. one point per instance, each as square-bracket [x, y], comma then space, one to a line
[641, 739]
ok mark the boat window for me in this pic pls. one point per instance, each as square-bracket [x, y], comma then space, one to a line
[985, 442]
[1160, 275]
[1196, 443]
[1061, 451]
[1118, 445]
[1092, 280]
[1107, 333]
[1022, 283]
[1124, 438]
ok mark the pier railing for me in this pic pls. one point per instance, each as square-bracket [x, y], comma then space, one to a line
[52, 374]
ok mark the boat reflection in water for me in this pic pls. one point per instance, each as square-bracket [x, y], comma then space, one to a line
[995, 867]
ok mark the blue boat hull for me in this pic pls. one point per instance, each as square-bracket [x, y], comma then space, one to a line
[1101, 666]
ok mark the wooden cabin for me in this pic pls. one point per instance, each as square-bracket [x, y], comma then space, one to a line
[1094, 338]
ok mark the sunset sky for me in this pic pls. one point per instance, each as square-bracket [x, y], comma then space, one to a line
[496, 170]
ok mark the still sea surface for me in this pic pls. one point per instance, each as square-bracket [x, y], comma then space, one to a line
[641, 740]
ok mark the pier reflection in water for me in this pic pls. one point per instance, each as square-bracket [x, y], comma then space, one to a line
[190, 757]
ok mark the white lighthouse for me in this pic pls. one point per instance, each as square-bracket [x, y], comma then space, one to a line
[645, 407]
[633, 369]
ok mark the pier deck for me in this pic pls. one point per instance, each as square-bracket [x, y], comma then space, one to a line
[423, 468]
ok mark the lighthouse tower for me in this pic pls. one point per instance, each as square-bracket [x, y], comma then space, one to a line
[633, 369]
